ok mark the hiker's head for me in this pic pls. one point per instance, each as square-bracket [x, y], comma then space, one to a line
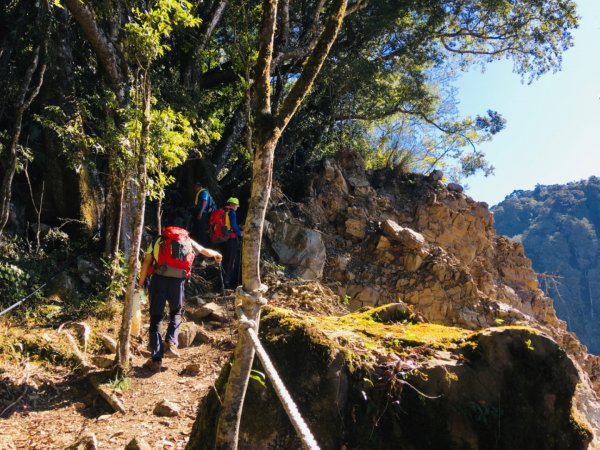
[197, 186]
[232, 202]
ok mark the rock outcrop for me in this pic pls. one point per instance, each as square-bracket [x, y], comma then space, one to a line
[381, 379]
[462, 350]
[433, 248]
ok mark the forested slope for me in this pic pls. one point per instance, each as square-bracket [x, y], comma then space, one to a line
[559, 226]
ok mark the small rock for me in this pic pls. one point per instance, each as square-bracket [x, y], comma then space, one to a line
[455, 187]
[103, 417]
[108, 342]
[165, 408]
[79, 406]
[138, 443]
[103, 361]
[436, 175]
[355, 228]
[192, 369]
[202, 336]
[187, 334]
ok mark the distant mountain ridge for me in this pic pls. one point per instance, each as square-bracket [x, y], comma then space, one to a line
[559, 226]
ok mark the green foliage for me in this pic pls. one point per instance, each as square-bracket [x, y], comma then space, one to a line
[148, 28]
[14, 283]
[115, 271]
[120, 382]
[170, 140]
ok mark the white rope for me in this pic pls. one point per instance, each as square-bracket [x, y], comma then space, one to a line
[304, 433]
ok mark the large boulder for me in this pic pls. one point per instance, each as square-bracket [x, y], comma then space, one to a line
[299, 248]
[380, 379]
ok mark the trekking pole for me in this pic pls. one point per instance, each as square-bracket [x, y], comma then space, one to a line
[225, 300]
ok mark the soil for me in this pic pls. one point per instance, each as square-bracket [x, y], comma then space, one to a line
[50, 406]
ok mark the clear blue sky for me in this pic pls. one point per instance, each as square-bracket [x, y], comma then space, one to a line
[552, 134]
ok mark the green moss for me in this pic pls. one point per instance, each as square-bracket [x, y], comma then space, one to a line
[382, 331]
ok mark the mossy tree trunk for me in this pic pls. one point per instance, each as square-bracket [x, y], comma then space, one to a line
[267, 129]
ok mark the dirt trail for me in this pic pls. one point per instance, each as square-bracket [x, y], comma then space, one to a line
[54, 408]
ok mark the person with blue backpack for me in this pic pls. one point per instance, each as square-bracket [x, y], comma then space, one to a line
[169, 262]
[204, 205]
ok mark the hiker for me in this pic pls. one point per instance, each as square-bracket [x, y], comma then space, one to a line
[204, 205]
[231, 246]
[169, 261]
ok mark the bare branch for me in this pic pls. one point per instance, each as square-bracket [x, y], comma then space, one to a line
[312, 67]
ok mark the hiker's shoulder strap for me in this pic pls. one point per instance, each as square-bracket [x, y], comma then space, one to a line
[156, 247]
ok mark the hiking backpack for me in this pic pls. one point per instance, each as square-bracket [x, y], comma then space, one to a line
[219, 226]
[175, 253]
[211, 206]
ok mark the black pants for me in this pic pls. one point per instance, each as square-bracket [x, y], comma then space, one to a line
[199, 229]
[231, 262]
[163, 290]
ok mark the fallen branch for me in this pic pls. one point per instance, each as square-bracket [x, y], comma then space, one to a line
[80, 357]
[107, 395]
[108, 342]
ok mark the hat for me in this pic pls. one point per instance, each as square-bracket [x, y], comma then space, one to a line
[233, 201]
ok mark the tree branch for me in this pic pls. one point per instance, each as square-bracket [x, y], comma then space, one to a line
[105, 50]
[312, 67]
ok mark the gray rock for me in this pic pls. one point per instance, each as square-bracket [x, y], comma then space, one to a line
[87, 270]
[455, 187]
[299, 248]
[103, 361]
[187, 334]
[436, 175]
[63, 287]
[165, 408]
[408, 238]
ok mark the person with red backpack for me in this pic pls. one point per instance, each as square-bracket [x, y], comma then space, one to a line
[225, 232]
[169, 262]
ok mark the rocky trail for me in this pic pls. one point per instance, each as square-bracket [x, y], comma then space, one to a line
[47, 405]
[46, 402]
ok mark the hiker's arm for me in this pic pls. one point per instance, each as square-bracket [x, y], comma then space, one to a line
[207, 251]
[144, 270]
[234, 225]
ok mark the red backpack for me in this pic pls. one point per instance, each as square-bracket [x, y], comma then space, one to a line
[219, 227]
[175, 253]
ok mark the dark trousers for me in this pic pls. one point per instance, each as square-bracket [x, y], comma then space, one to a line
[163, 290]
[230, 250]
[199, 229]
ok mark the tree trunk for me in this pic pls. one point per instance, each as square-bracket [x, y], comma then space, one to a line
[267, 129]
[140, 179]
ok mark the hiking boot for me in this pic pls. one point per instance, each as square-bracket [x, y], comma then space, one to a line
[171, 350]
[153, 366]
